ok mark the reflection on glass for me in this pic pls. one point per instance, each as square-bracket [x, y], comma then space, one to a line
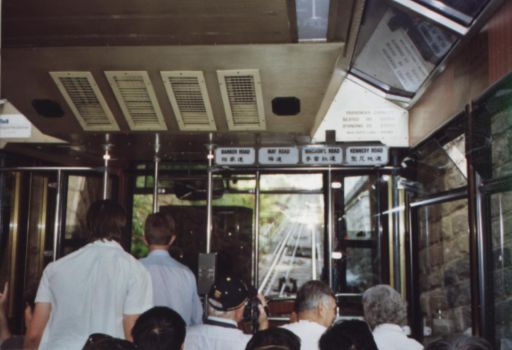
[501, 132]
[501, 216]
[445, 293]
[441, 168]
[357, 260]
[460, 10]
[290, 245]
[400, 49]
[312, 17]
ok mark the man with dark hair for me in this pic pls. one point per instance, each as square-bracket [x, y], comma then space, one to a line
[459, 342]
[315, 307]
[226, 301]
[348, 335]
[159, 328]
[99, 341]
[274, 338]
[174, 285]
[97, 289]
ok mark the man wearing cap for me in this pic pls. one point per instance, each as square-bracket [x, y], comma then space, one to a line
[226, 301]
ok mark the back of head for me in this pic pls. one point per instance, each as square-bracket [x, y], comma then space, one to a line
[99, 341]
[311, 294]
[355, 332]
[383, 304]
[105, 220]
[159, 328]
[159, 228]
[274, 338]
[460, 342]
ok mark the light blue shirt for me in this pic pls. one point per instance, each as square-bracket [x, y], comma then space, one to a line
[174, 286]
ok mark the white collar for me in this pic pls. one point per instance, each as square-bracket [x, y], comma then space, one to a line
[224, 320]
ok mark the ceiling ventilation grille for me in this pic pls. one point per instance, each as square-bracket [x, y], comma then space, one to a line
[84, 98]
[243, 99]
[189, 99]
[137, 99]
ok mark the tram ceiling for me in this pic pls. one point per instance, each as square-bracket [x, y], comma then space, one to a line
[113, 36]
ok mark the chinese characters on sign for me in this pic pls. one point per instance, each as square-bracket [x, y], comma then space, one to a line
[322, 155]
[278, 155]
[366, 155]
[235, 156]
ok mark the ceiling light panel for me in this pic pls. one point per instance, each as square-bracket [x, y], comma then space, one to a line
[136, 97]
[243, 99]
[189, 100]
[85, 100]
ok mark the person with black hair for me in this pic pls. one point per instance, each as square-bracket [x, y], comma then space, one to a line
[159, 328]
[174, 285]
[99, 341]
[459, 342]
[99, 288]
[353, 334]
[274, 338]
[315, 307]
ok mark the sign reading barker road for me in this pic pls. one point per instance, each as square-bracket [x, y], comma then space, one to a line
[322, 155]
[14, 126]
[366, 155]
[235, 156]
[278, 155]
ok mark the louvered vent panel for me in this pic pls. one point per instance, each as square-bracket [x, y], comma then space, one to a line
[84, 98]
[189, 99]
[137, 99]
[242, 97]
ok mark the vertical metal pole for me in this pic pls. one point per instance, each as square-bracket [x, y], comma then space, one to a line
[395, 215]
[329, 227]
[58, 214]
[106, 159]
[256, 239]
[209, 200]
[155, 176]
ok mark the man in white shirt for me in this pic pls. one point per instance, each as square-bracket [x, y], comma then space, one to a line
[385, 311]
[174, 285]
[226, 301]
[97, 289]
[315, 306]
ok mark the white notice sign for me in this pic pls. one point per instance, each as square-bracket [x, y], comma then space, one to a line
[366, 155]
[278, 155]
[322, 155]
[235, 156]
[14, 126]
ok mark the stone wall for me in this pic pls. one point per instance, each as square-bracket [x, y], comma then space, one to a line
[501, 216]
[444, 268]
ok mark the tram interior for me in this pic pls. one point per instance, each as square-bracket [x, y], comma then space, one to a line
[133, 101]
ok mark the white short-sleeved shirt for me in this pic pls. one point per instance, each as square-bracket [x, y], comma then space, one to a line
[174, 286]
[89, 291]
[391, 337]
[215, 337]
[308, 332]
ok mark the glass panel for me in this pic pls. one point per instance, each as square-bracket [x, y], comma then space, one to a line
[356, 253]
[501, 216]
[463, 11]
[444, 264]
[441, 168]
[290, 242]
[397, 50]
[291, 182]
[312, 16]
[501, 137]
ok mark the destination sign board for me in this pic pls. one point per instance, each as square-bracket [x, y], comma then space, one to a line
[235, 156]
[278, 155]
[366, 155]
[322, 155]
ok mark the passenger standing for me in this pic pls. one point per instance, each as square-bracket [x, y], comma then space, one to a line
[385, 311]
[174, 285]
[315, 306]
[99, 288]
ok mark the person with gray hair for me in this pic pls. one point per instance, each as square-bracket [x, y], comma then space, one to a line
[315, 306]
[459, 342]
[385, 311]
